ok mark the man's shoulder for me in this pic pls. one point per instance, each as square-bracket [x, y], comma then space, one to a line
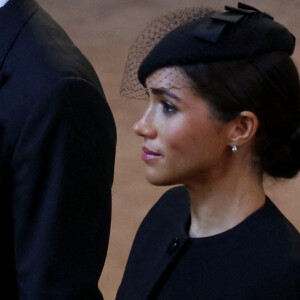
[44, 53]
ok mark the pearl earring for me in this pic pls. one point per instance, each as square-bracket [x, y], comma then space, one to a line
[234, 148]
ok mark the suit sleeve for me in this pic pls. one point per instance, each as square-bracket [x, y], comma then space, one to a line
[62, 176]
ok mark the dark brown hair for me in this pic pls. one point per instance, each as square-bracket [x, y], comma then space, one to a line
[267, 85]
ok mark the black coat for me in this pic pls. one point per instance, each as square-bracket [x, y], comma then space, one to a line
[57, 150]
[259, 259]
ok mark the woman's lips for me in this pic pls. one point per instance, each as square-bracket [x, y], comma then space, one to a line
[148, 154]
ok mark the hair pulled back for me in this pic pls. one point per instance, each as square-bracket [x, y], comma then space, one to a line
[267, 85]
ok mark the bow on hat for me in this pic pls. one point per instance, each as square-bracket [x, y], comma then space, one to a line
[211, 29]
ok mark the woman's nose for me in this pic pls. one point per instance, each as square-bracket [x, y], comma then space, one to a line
[145, 127]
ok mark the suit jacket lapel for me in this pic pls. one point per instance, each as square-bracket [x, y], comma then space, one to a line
[13, 16]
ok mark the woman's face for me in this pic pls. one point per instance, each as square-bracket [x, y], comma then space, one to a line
[183, 143]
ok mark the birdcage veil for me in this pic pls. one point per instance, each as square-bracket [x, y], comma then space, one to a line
[199, 35]
[146, 41]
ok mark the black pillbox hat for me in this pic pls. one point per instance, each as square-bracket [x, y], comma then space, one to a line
[234, 34]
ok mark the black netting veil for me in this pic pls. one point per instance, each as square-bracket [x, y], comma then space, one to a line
[146, 41]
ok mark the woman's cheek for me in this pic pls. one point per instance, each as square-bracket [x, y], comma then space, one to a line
[178, 137]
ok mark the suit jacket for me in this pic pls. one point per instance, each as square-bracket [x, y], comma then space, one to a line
[57, 150]
[257, 259]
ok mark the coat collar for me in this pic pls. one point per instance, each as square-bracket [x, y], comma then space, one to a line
[160, 241]
[13, 16]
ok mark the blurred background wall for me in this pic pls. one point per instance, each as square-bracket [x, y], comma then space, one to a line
[104, 31]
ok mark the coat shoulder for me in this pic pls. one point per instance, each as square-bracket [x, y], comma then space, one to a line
[149, 255]
[171, 211]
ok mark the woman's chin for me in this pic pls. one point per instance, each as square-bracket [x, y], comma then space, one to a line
[159, 180]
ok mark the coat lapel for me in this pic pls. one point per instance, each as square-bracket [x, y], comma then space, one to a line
[173, 249]
[160, 242]
[147, 268]
[13, 16]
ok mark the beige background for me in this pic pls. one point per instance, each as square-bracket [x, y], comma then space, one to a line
[104, 30]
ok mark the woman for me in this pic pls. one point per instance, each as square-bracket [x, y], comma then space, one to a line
[224, 110]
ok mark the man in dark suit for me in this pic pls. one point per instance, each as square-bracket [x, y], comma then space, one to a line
[57, 150]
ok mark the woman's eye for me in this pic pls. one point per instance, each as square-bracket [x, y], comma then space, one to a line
[168, 107]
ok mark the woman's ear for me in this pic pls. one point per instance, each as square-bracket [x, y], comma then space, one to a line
[243, 129]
